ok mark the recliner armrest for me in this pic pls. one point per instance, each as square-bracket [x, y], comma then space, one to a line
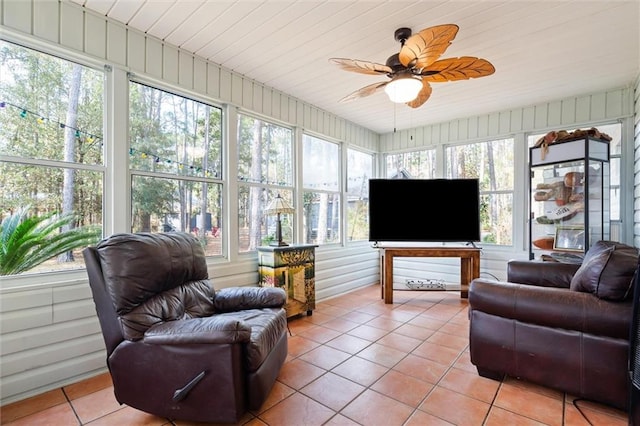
[544, 274]
[551, 307]
[240, 298]
[198, 330]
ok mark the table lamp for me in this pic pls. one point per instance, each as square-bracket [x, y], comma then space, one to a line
[279, 206]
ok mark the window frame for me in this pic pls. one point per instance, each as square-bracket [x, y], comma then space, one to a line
[338, 192]
[35, 276]
[271, 188]
[346, 210]
[498, 192]
[217, 179]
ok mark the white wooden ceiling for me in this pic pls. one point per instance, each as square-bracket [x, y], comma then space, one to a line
[542, 50]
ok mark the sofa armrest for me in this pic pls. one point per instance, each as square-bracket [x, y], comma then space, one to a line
[198, 330]
[543, 274]
[242, 298]
[551, 307]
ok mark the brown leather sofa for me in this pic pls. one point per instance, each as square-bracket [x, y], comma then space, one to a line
[560, 325]
[177, 348]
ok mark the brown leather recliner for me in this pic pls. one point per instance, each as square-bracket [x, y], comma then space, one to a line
[559, 325]
[177, 348]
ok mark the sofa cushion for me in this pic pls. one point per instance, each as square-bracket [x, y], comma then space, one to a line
[607, 271]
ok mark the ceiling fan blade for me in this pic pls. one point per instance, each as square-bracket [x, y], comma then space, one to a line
[423, 95]
[364, 91]
[422, 49]
[362, 67]
[453, 69]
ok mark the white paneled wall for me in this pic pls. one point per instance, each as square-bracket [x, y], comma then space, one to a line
[566, 114]
[49, 334]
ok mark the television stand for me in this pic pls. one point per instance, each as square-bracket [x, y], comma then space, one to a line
[469, 265]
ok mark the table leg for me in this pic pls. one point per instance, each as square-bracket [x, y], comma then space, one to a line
[388, 278]
[381, 260]
[465, 276]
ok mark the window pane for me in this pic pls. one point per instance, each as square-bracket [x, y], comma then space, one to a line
[416, 165]
[169, 205]
[321, 170]
[264, 152]
[255, 227]
[322, 218]
[173, 134]
[496, 215]
[265, 169]
[359, 171]
[491, 162]
[50, 108]
[321, 177]
[42, 189]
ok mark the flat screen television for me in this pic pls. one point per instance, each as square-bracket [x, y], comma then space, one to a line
[424, 210]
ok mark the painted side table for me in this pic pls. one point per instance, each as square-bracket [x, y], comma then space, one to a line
[293, 269]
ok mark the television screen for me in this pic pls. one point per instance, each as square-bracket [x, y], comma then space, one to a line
[424, 210]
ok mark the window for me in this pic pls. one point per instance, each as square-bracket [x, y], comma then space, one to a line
[265, 169]
[412, 165]
[359, 171]
[175, 159]
[51, 161]
[321, 194]
[492, 164]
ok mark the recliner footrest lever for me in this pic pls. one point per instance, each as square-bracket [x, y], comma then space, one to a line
[181, 393]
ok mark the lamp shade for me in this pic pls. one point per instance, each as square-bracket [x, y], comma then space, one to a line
[279, 206]
[403, 88]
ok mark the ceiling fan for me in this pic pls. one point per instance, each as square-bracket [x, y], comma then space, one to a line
[416, 66]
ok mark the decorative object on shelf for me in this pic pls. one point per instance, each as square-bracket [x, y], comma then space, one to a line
[564, 257]
[563, 136]
[566, 212]
[544, 243]
[416, 65]
[279, 206]
[569, 238]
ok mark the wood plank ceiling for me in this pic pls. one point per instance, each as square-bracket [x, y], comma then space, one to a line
[542, 50]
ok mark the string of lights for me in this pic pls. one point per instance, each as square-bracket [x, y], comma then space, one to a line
[179, 165]
[92, 139]
[41, 119]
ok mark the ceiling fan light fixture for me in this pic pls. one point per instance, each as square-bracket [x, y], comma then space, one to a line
[403, 88]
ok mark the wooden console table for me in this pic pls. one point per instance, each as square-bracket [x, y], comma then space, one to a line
[469, 265]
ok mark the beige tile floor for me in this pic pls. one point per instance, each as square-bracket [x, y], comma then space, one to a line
[357, 361]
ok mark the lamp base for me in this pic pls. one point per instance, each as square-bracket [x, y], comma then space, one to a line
[278, 244]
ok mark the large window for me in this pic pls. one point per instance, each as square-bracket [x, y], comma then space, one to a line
[321, 193]
[265, 169]
[492, 164]
[175, 159]
[51, 162]
[412, 165]
[359, 171]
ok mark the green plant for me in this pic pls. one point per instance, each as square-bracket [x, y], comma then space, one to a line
[27, 241]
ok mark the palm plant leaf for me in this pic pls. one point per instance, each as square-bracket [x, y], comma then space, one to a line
[27, 241]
